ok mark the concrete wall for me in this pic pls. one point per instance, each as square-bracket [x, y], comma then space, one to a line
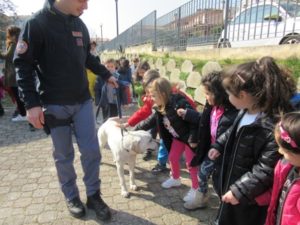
[210, 53]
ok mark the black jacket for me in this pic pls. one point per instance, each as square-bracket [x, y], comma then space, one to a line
[58, 45]
[203, 134]
[248, 160]
[186, 131]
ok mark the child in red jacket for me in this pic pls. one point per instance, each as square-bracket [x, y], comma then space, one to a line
[284, 208]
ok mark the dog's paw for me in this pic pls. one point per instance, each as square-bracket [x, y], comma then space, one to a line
[125, 194]
[133, 187]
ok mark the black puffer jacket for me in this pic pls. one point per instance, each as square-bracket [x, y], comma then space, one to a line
[59, 46]
[248, 160]
[203, 134]
[186, 131]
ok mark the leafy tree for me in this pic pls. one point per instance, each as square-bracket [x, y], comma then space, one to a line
[6, 6]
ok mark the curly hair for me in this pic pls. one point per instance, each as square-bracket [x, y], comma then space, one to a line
[213, 82]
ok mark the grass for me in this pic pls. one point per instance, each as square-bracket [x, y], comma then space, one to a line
[292, 64]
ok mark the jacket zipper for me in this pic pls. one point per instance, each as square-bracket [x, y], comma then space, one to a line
[230, 172]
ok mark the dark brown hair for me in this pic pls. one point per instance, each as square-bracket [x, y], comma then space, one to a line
[12, 34]
[149, 77]
[142, 66]
[213, 83]
[265, 81]
[290, 122]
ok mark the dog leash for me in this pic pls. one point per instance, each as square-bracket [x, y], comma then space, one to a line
[119, 108]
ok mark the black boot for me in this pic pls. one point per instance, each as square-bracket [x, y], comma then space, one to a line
[96, 203]
[76, 207]
[158, 168]
[1, 110]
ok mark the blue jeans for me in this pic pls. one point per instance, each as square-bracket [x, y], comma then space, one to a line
[83, 124]
[162, 155]
[205, 170]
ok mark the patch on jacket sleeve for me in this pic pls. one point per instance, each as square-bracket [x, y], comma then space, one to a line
[22, 47]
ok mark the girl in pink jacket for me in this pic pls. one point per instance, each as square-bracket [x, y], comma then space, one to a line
[284, 208]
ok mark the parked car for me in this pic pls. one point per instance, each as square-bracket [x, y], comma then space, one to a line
[265, 23]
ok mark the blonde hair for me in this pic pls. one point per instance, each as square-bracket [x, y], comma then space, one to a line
[163, 89]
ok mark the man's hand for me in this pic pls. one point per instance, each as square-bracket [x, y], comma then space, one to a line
[35, 116]
[213, 154]
[229, 198]
[113, 81]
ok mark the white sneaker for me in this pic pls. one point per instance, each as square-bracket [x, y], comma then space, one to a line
[190, 195]
[199, 201]
[171, 182]
[19, 118]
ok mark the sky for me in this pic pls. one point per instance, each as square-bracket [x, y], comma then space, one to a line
[104, 12]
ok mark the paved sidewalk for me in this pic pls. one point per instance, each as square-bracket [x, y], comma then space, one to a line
[29, 191]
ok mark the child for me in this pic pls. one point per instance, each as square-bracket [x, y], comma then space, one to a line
[284, 208]
[125, 80]
[146, 109]
[9, 81]
[137, 81]
[248, 147]
[218, 115]
[177, 134]
[108, 101]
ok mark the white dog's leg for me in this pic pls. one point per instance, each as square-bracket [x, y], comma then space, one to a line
[131, 165]
[120, 169]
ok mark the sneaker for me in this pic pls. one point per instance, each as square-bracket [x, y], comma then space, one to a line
[15, 114]
[148, 155]
[96, 203]
[19, 118]
[198, 202]
[76, 207]
[158, 168]
[190, 195]
[171, 182]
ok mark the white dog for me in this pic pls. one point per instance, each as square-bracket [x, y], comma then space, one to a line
[125, 148]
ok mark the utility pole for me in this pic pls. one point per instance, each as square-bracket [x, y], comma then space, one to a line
[117, 18]
[101, 41]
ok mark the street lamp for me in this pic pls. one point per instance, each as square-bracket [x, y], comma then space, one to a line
[101, 41]
[117, 18]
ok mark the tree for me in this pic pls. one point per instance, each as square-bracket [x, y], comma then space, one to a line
[6, 6]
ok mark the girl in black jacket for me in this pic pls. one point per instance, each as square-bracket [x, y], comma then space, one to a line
[248, 148]
[217, 116]
[178, 135]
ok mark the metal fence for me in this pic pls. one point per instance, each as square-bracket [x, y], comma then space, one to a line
[222, 23]
[142, 32]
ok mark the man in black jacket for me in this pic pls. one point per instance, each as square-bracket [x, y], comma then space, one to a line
[56, 43]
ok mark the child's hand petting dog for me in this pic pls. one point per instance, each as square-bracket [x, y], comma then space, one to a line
[122, 125]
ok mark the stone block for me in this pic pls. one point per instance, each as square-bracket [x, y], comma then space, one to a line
[174, 76]
[187, 66]
[158, 63]
[181, 85]
[171, 65]
[200, 95]
[209, 67]
[162, 71]
[150, 61]
[193, 80]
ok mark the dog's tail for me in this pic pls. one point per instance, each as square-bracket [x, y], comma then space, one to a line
[102, 137]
